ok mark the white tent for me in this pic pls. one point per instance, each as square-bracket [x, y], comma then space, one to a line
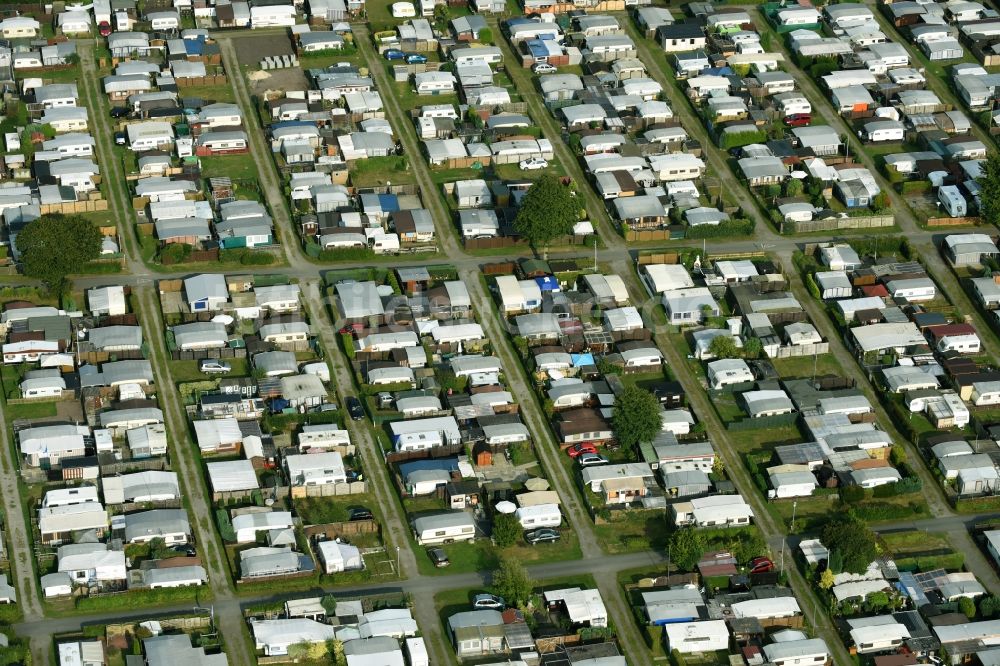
[337, 556]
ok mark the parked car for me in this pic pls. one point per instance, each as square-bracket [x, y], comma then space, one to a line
[798, 119]
[120, 139]
[104, 28]
[761, 565]
[543, 68]
[542, 535]
[119, 112]
[532, 163]
[184, 549]
[354, 408]
[488, 601]
[583, 447]
[360, 513]
[591, 460]
[394, 54]
[438, 557]
[415, 59]
[212, 367]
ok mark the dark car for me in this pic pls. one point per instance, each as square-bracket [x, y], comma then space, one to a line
[354, 408]
[542, 535]
[798, 120]
[438, 557]
[415, 59]
[360, 514]
[119, 112]
[184, 549]
[394, 54]
[120, 139]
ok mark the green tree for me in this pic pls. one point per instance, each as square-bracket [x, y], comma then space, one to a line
[54, 246]
[882, 201]
[853, 542]
[967, 606]
[687, 545]
[512, 582]
[636, 417]
[989, 606]
[506, 529]
[549, 210]
[826, 579]
[723, 346]
[753, 348]
[794, 187]
[876, 601]
[989, 183]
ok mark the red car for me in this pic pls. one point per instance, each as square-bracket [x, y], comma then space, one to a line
[761, 565]
[798, 120]
[104, 28]
[579, 449]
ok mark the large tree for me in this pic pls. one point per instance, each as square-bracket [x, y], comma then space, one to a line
[549, 210]
[54, 246]
[506, 530]
[636, 417]
[723, 346]
[512, 582]
[852, 541]
[989, 192]
[687, 545]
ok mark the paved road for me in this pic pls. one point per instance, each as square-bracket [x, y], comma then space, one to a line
[527, 88]
[186, 461]
[260, 153]
[20, 541]
[112, 169]
[394, 521]
[422, 587]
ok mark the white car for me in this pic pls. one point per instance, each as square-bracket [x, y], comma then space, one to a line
[543, 68]
[533, 163]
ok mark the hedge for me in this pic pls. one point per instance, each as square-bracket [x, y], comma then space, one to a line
[734, 227]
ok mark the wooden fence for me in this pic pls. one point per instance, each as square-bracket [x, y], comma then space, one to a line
[793, 351]
[224, 352]
[70, 208]
[344, 529]
[210, 80]
[329, 490]
[647, 235]
[954, 221]
[423, 454]
[512, 241]
[867, 222]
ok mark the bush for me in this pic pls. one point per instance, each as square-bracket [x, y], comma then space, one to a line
[733, 227]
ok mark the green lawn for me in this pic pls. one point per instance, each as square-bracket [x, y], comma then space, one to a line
[31, 410]
[378, 171]
[481, 555]
[320, 510]
[217, 93]
[638, 531]
[187, 371]
[807, 366]
[237, 167]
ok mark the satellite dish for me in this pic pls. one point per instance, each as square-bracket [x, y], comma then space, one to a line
[799, 175]
[269, 502]
[555, 375]
[224, 319]
[505, 507]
